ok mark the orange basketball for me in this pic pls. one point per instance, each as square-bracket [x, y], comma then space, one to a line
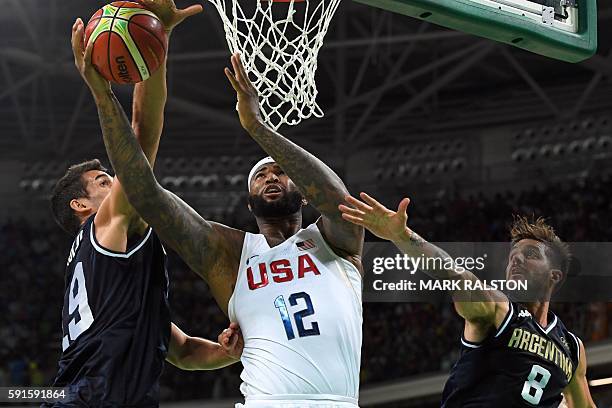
[129, 42]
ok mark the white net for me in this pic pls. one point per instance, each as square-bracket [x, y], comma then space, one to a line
[279, 42]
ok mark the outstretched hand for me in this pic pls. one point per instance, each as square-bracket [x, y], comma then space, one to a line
[82, 59]
[378, 219]
[248, 98]
[231, 340]
[168, 13]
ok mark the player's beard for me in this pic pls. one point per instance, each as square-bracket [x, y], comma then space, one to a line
[537, 291]
[288, 204]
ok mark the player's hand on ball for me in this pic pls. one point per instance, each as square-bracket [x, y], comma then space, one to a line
[82, 59]
[378, 219]
[248, 98]
[168, 13]
[231, 340]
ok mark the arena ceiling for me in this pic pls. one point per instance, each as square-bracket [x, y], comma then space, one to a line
[382, 78]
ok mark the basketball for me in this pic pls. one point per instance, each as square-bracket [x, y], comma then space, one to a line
[129, 42]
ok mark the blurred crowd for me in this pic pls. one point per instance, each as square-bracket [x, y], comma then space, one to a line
[400, 339]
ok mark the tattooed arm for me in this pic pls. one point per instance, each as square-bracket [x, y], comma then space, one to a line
[212, 250]
[116, 219]
[483, 310]
[319, 184]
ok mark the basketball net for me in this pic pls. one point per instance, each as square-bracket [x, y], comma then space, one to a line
[279, 42]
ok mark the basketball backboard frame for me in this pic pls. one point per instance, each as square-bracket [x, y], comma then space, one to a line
[531, 25]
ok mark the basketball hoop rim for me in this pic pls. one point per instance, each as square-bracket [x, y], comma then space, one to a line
[279, 43]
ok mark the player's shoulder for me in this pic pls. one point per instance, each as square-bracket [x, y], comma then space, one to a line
[81, 237]
[230, 239]
[86, 243]
[521, 312]
[312, 234]
[509, 315]
[524, 317]
[568, 339]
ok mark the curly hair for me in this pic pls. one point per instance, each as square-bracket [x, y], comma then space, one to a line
[558, 252]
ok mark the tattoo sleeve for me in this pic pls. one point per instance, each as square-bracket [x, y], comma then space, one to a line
[417, 247]
[470, 304]
[323, 189]
[200, 243]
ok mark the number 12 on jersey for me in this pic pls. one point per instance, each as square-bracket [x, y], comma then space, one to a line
[298, 316]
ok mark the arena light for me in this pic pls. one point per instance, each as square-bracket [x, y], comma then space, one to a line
[199, 165]
[545, 150]
[443, 166]
[530, 153]
[402, 169]
[589, 144]
[601, 381]
[604, 142]
[458, 164]
[587, 124]
[168, 182]
[559, 149]
[198, 182]
[517, 155]
[181, 164]
[574, 146]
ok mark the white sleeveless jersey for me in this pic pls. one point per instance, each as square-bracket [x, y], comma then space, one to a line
[299, 308]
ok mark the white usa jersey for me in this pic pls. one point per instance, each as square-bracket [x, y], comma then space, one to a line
[299, 308]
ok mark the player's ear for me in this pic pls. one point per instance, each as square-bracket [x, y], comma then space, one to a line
[78, 205]
[249, 207]
[557, 276]
[304, 202]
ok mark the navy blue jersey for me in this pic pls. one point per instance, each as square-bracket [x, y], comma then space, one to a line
[115, 322]
[521, 365]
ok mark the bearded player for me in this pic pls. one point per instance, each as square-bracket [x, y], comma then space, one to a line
[296, 293]
[512, 354]
[116, 320]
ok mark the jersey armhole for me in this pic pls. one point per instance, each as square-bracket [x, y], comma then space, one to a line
[506, 320]
[243, 253]
[470, 344]
[500, 330]
[577, 341]
[113, 254]
[339, 260]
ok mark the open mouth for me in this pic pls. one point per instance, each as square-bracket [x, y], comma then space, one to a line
[517, 271]
[272, 190]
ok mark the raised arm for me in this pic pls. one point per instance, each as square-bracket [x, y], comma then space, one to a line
[116, 219]
[150, 96]
[195, 353]
[323, 189]
[210, 249]
[148, 106]
[483, 311]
